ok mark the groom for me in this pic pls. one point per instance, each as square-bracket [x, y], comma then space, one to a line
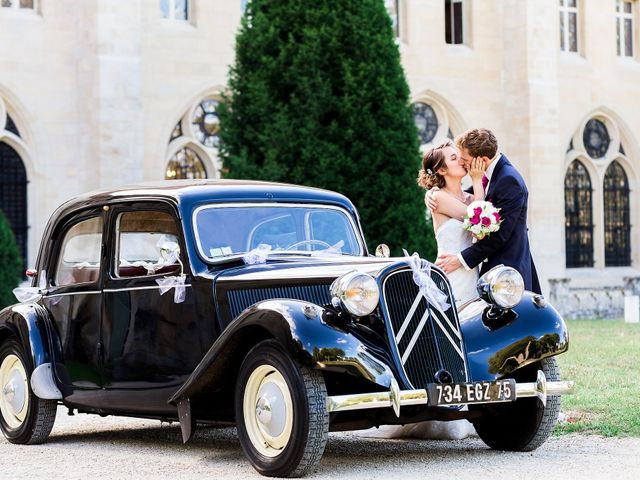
[505, 188]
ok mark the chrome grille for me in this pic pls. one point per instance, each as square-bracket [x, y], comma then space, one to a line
[427, 340]
[244, 298]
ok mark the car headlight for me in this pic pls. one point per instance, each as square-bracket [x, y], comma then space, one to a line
[357, 292]
[502, 286]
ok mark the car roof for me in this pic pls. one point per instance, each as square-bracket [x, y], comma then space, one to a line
[189, 193]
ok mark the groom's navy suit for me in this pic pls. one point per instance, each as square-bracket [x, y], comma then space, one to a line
[510, 244]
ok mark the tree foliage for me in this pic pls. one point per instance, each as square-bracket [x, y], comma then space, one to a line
[317, 96]
[10, 263]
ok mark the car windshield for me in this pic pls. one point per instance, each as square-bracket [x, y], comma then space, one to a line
[230, 230]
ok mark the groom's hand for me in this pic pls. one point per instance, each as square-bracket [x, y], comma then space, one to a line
[448, 263]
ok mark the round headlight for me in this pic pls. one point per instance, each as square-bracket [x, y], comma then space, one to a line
[357, 292]
[502, 286]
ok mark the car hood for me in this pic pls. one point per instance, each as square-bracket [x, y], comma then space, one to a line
[305, 269]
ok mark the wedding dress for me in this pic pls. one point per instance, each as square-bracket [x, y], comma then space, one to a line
[452, 239]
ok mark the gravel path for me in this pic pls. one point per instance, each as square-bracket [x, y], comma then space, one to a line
[91, 447]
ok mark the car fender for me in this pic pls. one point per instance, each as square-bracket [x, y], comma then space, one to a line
[30, 324]
[308, 332]
[499, 345]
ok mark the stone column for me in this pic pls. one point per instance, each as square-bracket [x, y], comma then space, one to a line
[531, 103]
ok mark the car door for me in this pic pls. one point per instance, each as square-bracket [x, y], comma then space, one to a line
[74, 300]
[150, 340]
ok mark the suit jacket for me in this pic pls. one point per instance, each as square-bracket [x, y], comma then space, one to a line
[510, 244]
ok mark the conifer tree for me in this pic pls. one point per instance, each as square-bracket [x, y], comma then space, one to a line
[10, 263]
[317, 96]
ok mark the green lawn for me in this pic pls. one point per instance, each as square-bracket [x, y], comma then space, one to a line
[604, 361]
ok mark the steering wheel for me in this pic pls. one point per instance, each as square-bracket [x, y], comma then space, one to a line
[294, 246]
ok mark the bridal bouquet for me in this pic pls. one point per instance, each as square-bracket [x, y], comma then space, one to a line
[482, 219]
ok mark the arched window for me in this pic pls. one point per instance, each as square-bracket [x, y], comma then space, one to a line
[13, 195]
[426, 122]
[185, 164]
[192, 152]
[578, 216]
[617, 224]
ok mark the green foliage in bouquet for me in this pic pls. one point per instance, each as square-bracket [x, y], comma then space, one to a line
[10, 263]
[317, 96]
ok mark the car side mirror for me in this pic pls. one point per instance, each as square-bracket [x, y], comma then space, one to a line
[382, 250]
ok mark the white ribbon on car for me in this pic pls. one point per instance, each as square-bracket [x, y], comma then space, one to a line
[257, 255]
[32, 294]
[170, 254]
[422, 277]
[330, 251]
[176, 282]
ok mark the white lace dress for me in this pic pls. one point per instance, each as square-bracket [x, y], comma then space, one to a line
[452, 239]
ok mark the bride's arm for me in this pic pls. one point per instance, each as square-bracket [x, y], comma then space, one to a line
[476, 172]
[450, 206]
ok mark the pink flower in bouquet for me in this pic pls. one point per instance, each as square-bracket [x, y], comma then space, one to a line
[482, 219]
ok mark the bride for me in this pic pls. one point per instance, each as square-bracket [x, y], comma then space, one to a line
[443, 170]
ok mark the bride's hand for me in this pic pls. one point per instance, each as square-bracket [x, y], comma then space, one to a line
[476, 168]
[430, 200]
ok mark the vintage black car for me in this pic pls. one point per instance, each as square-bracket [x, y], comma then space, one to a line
[258, 304]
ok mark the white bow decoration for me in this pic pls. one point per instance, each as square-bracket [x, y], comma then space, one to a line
[170, 254]
[257, 255]
[422, 277]
[32, 294]
[176, 282]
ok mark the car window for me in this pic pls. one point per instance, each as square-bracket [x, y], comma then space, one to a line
[279, 231]
[142, 236]
[79, 259]
[228, 230]
[331, 227]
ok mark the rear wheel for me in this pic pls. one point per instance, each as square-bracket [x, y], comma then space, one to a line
[281, 412]
[24, 418]
[526, 424]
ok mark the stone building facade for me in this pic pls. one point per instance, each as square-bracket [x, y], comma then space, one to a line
[104, 92]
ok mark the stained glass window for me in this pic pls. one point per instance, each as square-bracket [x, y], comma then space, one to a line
[206, 123]
[578, 217]
[426, 121]
[617, 224]
[13, 195]
[185, 164]
[596, 138]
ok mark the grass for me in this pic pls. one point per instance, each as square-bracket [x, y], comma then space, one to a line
[604, 361]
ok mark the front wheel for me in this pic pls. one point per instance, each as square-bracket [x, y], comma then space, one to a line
[525, 424]
[281, 412]
[24, 418]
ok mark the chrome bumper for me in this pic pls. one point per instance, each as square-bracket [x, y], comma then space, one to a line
[397, 398]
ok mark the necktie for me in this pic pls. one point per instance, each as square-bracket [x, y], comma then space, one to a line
[485, 181]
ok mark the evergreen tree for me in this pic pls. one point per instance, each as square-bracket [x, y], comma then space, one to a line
[318, 97]
[10, 263]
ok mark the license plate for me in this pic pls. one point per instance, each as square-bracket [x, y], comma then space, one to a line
[476, 392]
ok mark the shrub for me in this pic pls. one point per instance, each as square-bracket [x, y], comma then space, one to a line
[10, 263]
[317, 96]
